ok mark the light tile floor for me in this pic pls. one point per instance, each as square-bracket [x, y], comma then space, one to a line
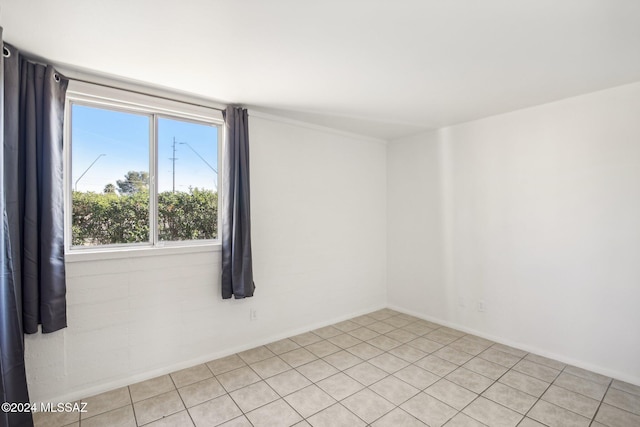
[381, 369]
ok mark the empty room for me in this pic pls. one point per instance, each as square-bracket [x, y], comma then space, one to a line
[338, 213]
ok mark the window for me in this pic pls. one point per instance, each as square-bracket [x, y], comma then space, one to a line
[140, 171]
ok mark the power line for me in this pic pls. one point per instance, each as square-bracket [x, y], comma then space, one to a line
[174, 158]
[87, 170]
[201, 158]
[198, 154]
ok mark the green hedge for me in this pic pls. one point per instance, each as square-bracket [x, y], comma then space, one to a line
[102, 219]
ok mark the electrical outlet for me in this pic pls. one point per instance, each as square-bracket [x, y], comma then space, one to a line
[253, 314]
[482, 306]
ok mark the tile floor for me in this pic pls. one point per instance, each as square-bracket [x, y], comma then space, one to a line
[381, 369]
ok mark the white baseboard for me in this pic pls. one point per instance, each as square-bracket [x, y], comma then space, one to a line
[132, 379]
[525, 347]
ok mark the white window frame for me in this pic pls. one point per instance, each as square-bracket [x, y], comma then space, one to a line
[99, 96]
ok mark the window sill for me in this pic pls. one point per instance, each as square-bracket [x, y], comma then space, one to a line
[82, 255]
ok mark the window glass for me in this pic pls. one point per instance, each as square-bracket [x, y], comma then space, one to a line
[109, 176]
[140, 176]
[187, 180]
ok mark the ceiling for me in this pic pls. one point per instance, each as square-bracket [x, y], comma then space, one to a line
[385, 69]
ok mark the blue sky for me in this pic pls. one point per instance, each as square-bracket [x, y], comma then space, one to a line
[124, 139]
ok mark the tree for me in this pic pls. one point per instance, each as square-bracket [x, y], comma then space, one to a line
[109, 189]
[133, 182]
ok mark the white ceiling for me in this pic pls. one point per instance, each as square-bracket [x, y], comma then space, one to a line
[379, 68]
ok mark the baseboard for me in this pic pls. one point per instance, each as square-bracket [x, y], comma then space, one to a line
[524, 347]
[132, 379]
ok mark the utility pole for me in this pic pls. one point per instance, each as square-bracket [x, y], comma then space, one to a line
[173, 160]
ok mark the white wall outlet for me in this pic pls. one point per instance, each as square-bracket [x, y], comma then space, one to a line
[482, 306]
[253, 314]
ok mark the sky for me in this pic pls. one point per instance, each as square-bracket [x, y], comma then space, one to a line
[123, 139]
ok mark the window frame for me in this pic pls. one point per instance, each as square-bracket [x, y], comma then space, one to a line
[122, 100]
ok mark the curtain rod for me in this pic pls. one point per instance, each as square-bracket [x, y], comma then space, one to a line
[6, 52]
[142, 93]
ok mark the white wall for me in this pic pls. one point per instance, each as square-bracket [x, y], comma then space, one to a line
[319, 234]
[414, 225]
[539, 211]
[535, 212]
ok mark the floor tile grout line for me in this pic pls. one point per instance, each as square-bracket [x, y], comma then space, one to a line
[228, 393]
[315, 383]
[601, 402]
[369, 386]
[133, 409]
[617, 407]
[257, 407]
[577, 392]
[350, 411]
[633, 393]
[571, 391]
[181, 399]
[387, 351]
[317, 412]
[443, 377]
[412, 364]
[283, 397]
[542, 394]
[241, 416]
[552, 383]
[498, 403]
[494, 381]
[524, 357]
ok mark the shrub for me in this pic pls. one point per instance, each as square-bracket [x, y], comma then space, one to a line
[103, 219]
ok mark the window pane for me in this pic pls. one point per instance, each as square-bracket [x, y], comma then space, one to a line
[187, 180]
[110, 176]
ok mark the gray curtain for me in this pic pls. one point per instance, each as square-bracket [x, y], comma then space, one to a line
[32, 287]
[237, 269]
